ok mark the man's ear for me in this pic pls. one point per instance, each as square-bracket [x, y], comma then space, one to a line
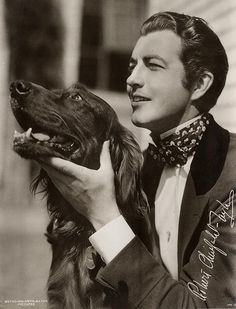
[202, 84]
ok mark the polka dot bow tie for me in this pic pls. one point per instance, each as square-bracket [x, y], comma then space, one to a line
[175, 149]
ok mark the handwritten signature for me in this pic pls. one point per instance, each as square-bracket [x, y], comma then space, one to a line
[224, 214]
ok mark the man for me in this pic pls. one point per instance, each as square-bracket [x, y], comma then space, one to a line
[177, 71]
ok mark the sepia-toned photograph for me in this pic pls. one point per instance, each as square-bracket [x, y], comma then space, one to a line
[117, 154]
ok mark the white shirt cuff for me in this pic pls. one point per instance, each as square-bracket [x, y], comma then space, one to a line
[112, 238]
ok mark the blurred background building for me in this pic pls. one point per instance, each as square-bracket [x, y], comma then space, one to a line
[55, 43]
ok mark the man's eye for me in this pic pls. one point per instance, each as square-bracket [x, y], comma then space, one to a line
[152, 65]
[76, 97]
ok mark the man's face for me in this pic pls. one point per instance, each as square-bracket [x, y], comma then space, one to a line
[155, 84]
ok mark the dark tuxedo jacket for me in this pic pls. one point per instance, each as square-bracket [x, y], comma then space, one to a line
[137, 277]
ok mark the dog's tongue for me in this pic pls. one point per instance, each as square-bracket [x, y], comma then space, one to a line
[40, 136]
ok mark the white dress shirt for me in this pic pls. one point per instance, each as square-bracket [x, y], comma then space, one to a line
[114, 236]
[167, 210]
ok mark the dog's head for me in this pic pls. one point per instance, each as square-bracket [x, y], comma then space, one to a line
[72, 124]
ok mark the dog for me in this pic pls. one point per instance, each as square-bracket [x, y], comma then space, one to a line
[72, 124]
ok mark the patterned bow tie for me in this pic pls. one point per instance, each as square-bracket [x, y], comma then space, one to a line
[175, 149]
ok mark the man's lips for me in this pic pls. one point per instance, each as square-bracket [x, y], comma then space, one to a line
[136, 100]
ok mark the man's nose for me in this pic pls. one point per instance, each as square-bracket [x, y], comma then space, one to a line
[136, 78]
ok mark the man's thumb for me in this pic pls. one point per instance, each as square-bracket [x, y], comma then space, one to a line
[63, 166]
[105, 157]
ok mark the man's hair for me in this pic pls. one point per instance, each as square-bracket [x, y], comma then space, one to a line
[201, 51]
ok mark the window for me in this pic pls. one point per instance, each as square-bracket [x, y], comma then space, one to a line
[110, 29]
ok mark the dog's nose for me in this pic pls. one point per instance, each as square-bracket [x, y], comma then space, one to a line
[19, 88]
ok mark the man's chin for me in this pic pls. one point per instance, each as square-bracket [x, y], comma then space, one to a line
[138, 121]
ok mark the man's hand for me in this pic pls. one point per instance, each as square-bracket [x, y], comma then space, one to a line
[90, 192]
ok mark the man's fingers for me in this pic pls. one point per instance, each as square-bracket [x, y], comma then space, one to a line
[56, 166]
[64, 166]
[105, 157]
[51, 171]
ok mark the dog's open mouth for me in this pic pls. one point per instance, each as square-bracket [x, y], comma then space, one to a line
[58, 143]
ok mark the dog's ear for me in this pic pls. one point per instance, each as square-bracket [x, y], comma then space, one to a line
[127, 162]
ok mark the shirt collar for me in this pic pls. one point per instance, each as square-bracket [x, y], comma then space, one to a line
[179, 127]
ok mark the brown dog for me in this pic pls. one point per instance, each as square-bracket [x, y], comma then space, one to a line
[73, 124]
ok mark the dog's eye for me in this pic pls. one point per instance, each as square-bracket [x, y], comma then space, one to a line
[76, 97]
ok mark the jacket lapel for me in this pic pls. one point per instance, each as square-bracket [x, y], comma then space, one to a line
[151, 174]
[205, 169]
[192, 209]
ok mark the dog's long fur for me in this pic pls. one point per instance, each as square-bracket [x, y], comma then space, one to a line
[87, 121]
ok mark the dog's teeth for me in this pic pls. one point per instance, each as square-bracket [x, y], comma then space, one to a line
[17, 134]
[28, 132]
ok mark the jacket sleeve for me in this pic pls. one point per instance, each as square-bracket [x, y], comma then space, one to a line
[207, 280]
